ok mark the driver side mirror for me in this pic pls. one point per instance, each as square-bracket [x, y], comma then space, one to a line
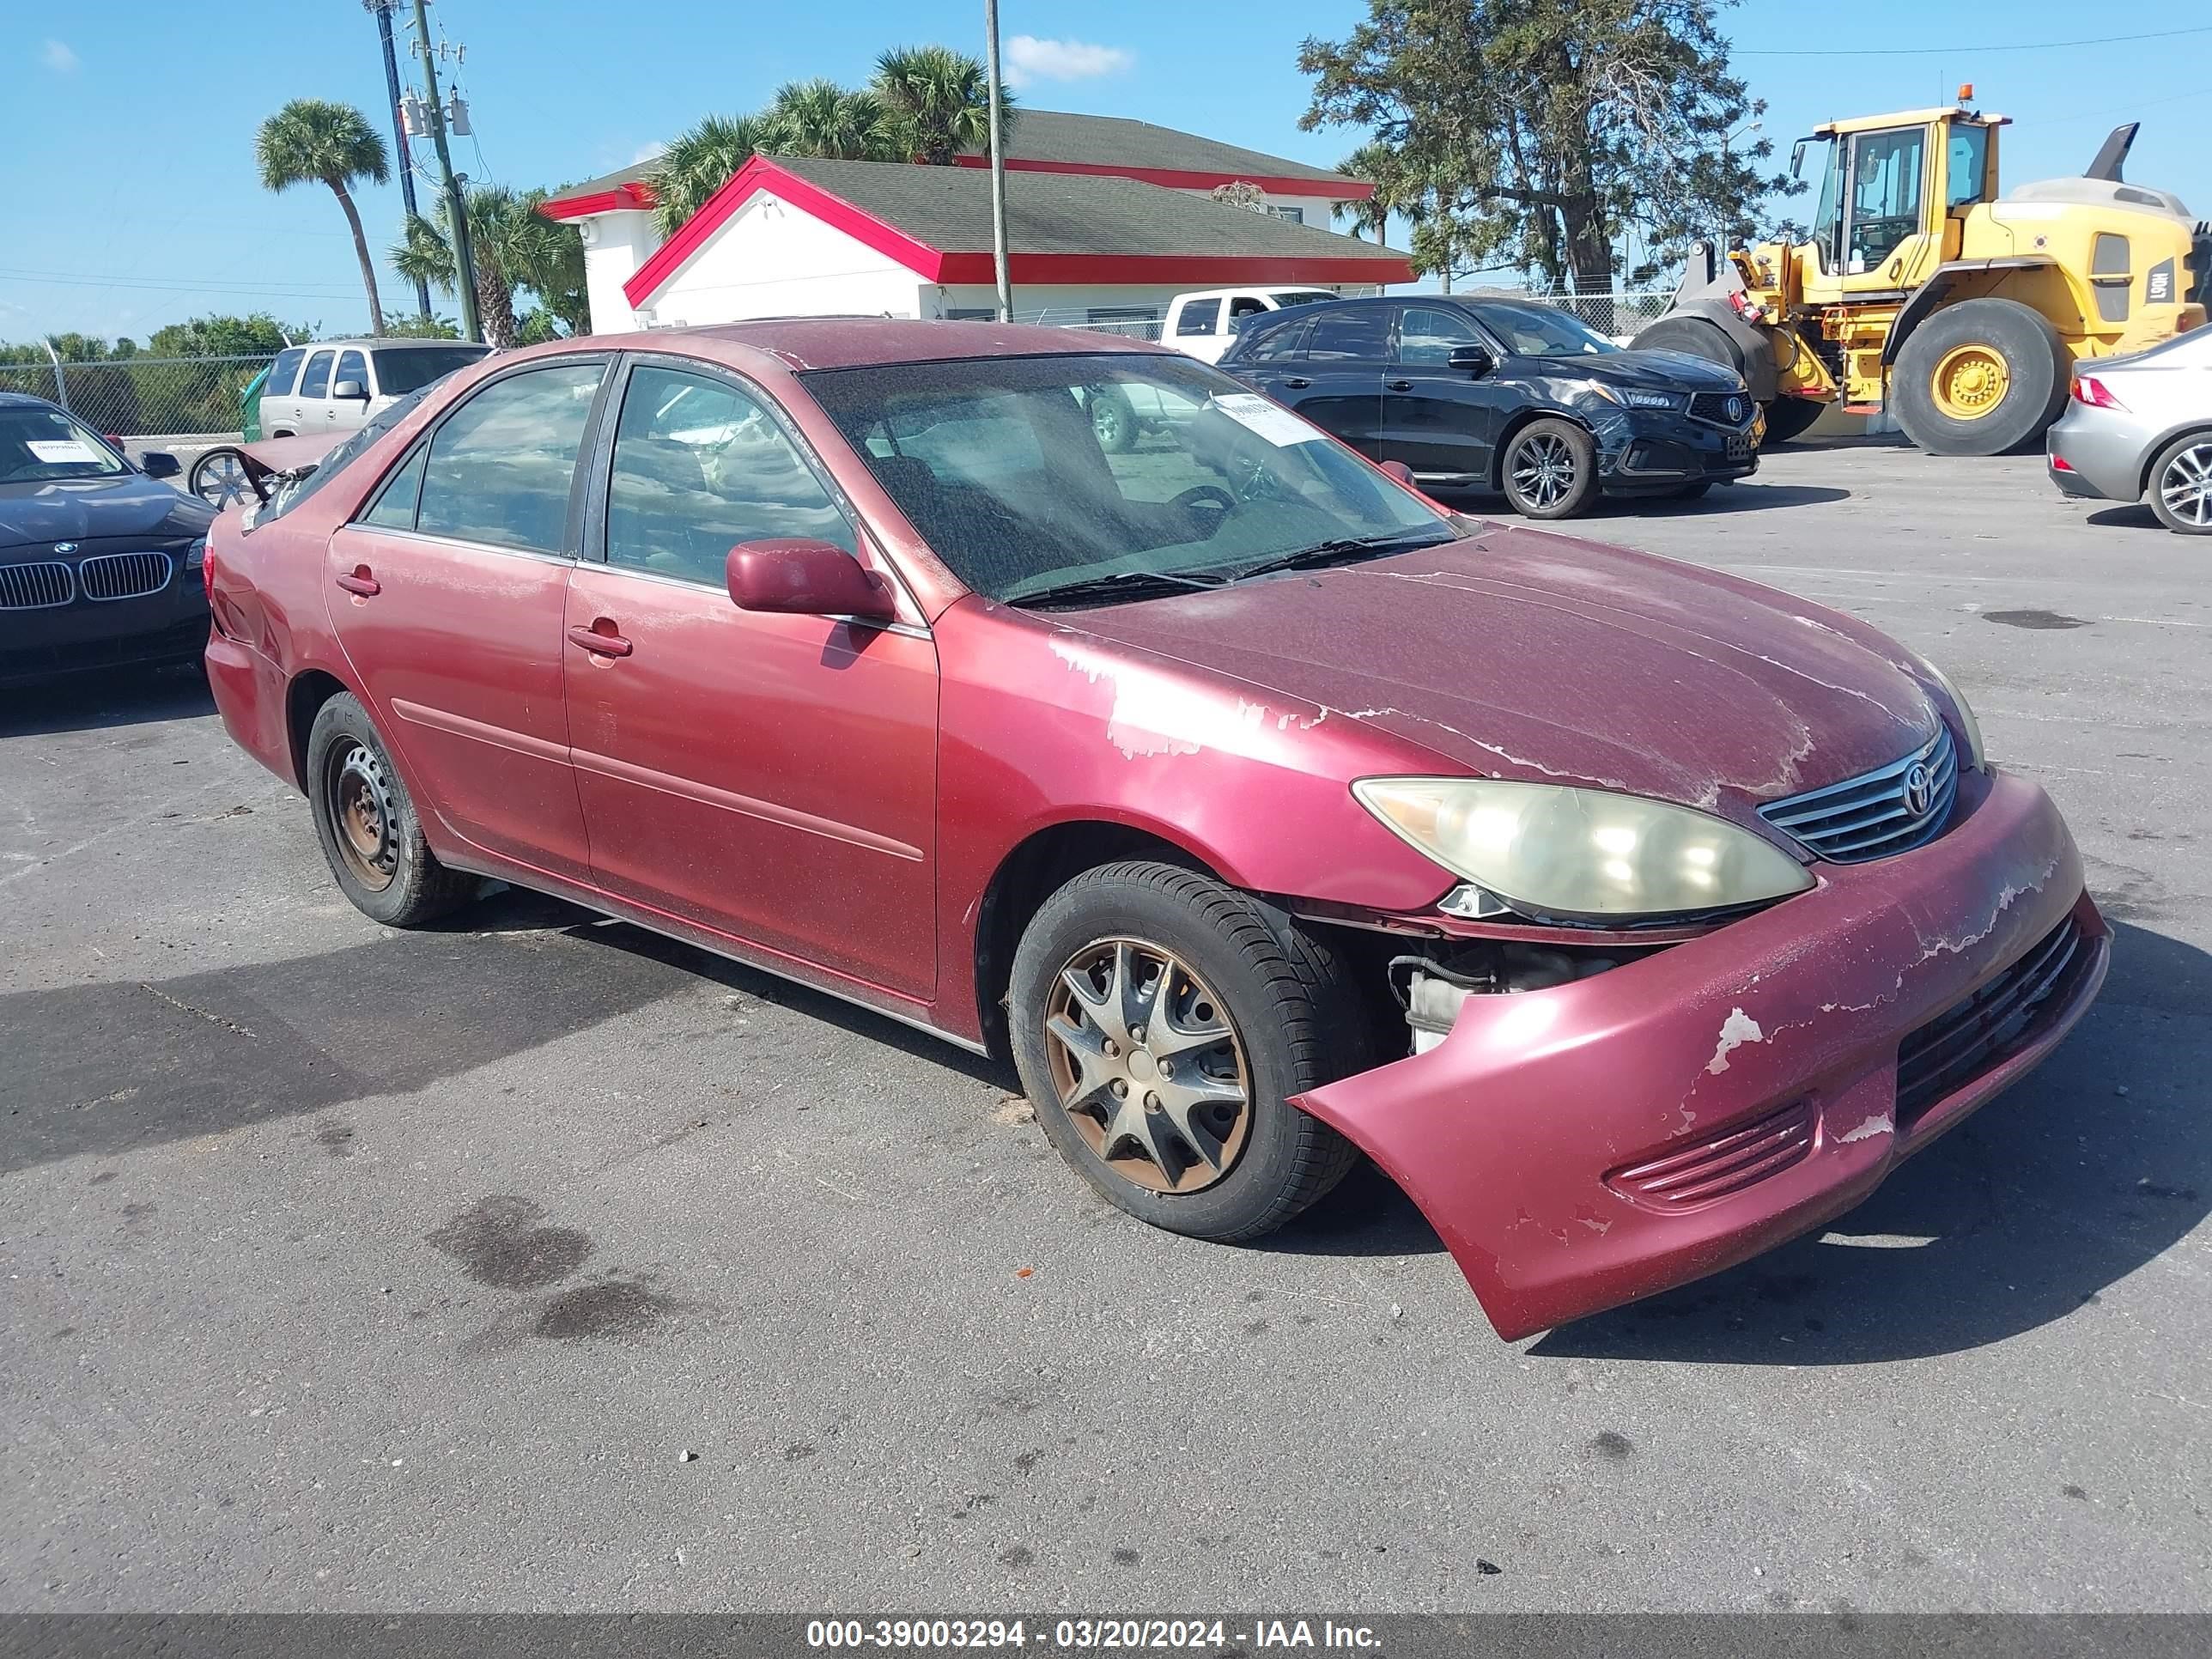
[353, 389]
[1474, 358]
[806, 579]
[159, 463]
[1798, 160]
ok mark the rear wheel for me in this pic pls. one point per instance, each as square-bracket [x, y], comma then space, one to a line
[366, 821]
[1979, 378]
[1550, 469]
[1161, 1025]
[218, 477]
[2181, 485]
[1113, 421]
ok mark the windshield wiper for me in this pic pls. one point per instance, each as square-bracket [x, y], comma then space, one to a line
[1341, 549]
[1121, 585]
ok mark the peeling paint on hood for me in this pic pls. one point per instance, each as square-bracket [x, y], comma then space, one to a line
[1527, 654]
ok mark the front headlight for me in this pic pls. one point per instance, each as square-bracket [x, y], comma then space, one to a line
[1583, 852]
[1968, 723]
[1630, 398]
[196, 555]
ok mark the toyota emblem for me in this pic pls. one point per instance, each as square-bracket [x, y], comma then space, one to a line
[1919, 790]
[1735, 408]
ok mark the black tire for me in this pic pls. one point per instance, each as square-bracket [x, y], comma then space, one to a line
[1693, 336]
[1287, 1005]
[347, 760]
[1112, 420]
[2178, 479]
[1790, 417]
[1689, 492]
[1556, 464]
[2034, 385]
[219, 479]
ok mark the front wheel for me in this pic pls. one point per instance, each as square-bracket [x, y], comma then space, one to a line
[2181, 485]
[1161, 1024]
[1551, 471]
[366, 821]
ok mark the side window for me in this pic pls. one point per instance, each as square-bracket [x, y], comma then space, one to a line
[1426, 335]
[316, 382]
[1198, 319]
[700, 466]
[1885, 194]
[1969, 160]
[500, 465]
[352, 366]
[283, 372]
[1279, 344]
[394, 507]
[1355, 332]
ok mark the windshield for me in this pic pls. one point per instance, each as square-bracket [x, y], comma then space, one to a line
[44, 446]
[1303, 297]
[1032, 475]
[1533, 331]
[398, 370]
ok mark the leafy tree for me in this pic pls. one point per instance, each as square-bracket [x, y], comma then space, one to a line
[422, 328]
[516, 247]
[701, 159]
[312, 141]
[1540, 129]
[940, 99]
[1372, 162]
[820, 117]
[257, 336]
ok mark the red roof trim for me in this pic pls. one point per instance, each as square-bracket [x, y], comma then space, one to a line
[623, 198]
[1344, 190]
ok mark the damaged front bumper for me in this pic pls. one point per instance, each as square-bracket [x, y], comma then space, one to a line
[1584, 1145]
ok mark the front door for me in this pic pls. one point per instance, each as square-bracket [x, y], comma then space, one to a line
[1441, 421]
[1337, 380]
[449, 594]
[771, 778]
[1887, 247]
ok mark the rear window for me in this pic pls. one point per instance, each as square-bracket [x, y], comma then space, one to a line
[290, 495]
[410, 369]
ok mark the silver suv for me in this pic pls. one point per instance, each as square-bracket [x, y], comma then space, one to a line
[335, 386]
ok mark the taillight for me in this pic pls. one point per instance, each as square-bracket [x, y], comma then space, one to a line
[2088, 389]
[207, 570]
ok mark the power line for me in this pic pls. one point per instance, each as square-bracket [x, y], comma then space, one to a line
[213, 285]
[1954, 51]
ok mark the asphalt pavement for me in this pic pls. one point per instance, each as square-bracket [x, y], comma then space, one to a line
[533, 1262]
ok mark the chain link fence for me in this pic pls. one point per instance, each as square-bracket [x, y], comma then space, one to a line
[144, 397]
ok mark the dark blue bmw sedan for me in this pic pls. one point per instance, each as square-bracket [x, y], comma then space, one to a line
[99, 561]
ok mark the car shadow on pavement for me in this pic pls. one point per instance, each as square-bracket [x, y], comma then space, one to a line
[2089, 1170]
[1725, 498]
[2133, 516]
[123, 696]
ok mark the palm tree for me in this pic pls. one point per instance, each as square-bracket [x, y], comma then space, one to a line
[700, 161]
[312, 141]
[515, 246]
[820, 117]
[1375, 163]
[940, 99]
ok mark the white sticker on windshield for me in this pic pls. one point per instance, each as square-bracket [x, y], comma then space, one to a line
[56, 451]
[1270, 420]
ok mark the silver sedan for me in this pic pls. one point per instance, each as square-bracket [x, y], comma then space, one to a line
[2140, 428]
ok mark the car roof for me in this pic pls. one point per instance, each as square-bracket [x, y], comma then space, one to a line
[26, 400]
[809, 343]
[386, 342]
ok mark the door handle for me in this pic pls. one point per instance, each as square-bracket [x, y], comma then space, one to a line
[600, 641]
[359, 580]
[1400, 386]
[1297, 382]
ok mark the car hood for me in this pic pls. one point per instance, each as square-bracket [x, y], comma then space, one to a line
[89, 509]
[1524, 654]
[1658, 371]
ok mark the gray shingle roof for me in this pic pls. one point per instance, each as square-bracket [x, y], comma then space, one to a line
[949, 208]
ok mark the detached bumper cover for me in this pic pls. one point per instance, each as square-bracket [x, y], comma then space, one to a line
[1583, 1147]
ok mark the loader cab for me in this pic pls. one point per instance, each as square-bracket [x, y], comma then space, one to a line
[1894, 190]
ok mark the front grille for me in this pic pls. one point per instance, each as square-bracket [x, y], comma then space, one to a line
[124, 575]
[1873, 815]
[35, 587]
[1714, 406]
[1727, 1164]
[1969, 1037]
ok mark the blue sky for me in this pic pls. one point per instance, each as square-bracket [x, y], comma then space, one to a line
[126, 130]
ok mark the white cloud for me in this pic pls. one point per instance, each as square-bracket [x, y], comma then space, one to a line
[1029, 59]
[57, 56]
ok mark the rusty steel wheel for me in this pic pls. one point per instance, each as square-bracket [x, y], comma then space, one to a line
[1147, 1066]
[360, 808]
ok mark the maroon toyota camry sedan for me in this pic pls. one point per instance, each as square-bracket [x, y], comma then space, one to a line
[1632, 917]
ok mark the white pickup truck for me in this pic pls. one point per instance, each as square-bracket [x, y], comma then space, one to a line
[1203, 324]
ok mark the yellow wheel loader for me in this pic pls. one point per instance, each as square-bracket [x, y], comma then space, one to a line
[1925, 295]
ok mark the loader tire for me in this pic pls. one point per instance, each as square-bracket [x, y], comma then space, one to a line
[1787, 418]
[1979, 378]
[1693, 336]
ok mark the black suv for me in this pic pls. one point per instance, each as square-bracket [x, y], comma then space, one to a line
[1507, 395]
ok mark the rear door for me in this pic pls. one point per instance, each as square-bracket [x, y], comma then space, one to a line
[1337, 383]
[448, 592]
[1443, 422]
[1198, 330]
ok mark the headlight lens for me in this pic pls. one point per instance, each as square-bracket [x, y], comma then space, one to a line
[1583, 852]
[1630, 398]
[1968, 723]
[196, 555]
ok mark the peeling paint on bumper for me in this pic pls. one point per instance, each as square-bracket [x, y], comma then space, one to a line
[1504, 1133]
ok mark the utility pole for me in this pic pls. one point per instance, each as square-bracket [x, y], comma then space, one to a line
[465, 265]
[383, 10]
[998, 163]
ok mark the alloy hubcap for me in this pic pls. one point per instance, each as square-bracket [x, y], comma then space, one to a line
[1543, 470]
[222, 481]
[1147, 1066]
[362, 812]
[2185, 485]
